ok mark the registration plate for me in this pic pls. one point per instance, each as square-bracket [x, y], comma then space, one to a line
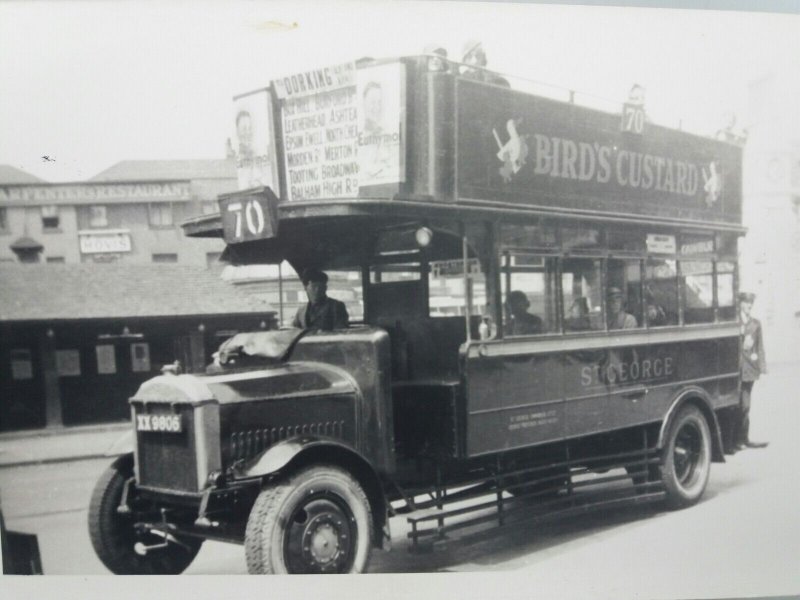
[168, 423]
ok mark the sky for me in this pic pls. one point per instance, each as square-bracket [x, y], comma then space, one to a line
[91, 83]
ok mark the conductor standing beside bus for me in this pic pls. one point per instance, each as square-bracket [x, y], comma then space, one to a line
[753, 365]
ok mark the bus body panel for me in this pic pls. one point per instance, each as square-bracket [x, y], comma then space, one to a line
[364, 354]
[525, 394]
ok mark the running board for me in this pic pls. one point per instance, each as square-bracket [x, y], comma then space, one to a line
[534, 495]
[441, 541]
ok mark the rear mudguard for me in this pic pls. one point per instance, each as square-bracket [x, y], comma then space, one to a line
[698, 397]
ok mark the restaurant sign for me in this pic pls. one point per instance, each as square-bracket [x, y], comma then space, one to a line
[515, 147]
[91, 193]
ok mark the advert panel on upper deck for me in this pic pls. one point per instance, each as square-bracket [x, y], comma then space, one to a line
[524, 149]
[342, 131]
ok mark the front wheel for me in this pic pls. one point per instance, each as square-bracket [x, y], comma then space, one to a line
[318, 521]
[115, 539]
[687, 458]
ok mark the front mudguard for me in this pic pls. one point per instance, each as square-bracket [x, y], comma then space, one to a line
[289, 455]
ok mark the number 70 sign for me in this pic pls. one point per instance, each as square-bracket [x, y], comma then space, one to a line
[250, 215]
[633, 118]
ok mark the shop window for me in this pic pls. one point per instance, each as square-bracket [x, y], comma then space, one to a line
[160, 215]
[98, 216]
[661, 292]
[581, 286]
[624, 294]
[140, 357]
[106, 359]
[165, 257]
[529, 294]
[698, 291]
[725, 296]
[50, 218]
[111, 257]
[21, 364]
[68, 362]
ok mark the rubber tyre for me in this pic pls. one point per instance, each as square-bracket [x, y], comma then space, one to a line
[113, 536]
[687, 458]
[291, 508]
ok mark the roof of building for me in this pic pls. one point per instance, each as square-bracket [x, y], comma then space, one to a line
[35, 292]
[160, 170]
[12, 175]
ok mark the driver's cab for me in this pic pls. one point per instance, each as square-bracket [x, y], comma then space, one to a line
[421, 281]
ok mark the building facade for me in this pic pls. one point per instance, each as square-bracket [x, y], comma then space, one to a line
[130, 213]
[76, 341]
[770, 253]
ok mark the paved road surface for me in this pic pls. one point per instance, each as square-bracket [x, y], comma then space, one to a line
[743, 539]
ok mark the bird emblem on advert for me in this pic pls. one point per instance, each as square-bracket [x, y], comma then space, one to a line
[514, 153]
[712, 183]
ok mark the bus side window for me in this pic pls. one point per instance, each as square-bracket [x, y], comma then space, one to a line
[725, 301]
[698, 291]
[581, 287]
[626, 276]
[450, 292]
[661, 292]
[529, 294]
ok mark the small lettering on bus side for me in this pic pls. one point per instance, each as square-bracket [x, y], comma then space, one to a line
[536, 419]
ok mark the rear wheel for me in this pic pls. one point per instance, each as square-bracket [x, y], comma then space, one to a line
[318, 521]
[115, 539]
[687, 458]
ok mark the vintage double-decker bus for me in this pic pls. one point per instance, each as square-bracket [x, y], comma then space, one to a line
[548, 325]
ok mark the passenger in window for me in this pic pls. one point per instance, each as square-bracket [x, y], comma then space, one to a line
[656, 315]
[522, 322]
[578, 319]
[321, 312]
[615, 306]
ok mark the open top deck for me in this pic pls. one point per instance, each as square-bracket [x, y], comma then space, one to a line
[406, 138]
